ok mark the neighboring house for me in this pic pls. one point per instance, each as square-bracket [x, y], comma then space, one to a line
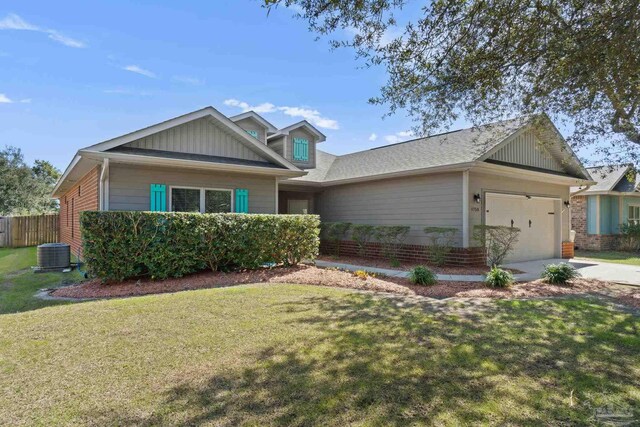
[598, 211]
[508, 173]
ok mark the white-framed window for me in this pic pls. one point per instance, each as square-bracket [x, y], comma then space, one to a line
[634, 214]
[203, 200]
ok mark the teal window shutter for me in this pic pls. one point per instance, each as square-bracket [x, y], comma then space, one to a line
[253, 133]
[158, 198]
[242, 200]
[301, 149]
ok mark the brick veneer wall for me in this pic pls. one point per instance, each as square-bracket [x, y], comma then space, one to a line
[83, 196]
[584, 240]
[579, 220]
[407, 253]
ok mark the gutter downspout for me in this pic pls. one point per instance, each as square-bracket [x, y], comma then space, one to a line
[104, 186]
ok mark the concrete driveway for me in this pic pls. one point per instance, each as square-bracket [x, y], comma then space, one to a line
[619, 273]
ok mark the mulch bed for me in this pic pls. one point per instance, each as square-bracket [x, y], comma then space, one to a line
[383, 263]
[311, 275]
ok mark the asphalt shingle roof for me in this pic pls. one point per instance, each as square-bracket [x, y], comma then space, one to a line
[450, 148]
[607, 177]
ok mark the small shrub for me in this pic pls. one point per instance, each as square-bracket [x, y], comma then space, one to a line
[629, 237]
[335, 232]
[391, 237]
[394, 263]
[498, 241]
[441, 241]
[421, 275]
[499, 278]
[362, 234]
[559, 274]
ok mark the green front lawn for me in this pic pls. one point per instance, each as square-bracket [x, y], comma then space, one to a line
[303, 355]
[610, 256]
[18, 283]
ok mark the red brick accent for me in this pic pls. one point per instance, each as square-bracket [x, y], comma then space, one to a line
[407, 253]
[584, 240]
[567, 250]
[579, 220]
[83, 196]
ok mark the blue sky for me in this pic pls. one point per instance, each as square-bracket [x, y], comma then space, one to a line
[73, 73]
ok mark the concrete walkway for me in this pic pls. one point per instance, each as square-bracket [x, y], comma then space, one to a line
[531, 270]
[619, 273]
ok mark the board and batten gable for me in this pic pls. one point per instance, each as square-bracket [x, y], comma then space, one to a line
[251, 124]
[130, 186]
[433, 200]
[525, 149]
[201, 136]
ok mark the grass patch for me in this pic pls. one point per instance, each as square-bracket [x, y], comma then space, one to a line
[18, 284]
[303, 355]
[12, 260]
[617, 257]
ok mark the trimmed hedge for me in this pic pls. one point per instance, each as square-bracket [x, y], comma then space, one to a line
[121, 245]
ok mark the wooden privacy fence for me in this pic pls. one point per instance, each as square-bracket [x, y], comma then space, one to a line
[19, 231]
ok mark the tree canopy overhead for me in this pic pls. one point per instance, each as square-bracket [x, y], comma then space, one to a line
[576, 60]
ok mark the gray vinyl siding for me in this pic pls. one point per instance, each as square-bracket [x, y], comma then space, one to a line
[527, 150]
[301, 133]
[129, 186]
[251, 124]
[277, 145]
[483, 183]
[200, 136]
[428, 200]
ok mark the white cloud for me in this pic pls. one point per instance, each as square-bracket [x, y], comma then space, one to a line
[265, 107]
[373, 137]
[14, 22]
[25, 101]
[188, 80]
[312, 116]
[398, 137]
[67, 41]
[4, 99]
[139, 70]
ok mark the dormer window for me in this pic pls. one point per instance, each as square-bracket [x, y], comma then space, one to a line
[253, 133]
[301, 149]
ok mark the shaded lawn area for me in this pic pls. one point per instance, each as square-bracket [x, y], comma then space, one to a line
[617, 257]
[18, 283]
[301, 355]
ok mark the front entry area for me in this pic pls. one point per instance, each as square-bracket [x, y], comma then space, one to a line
[539, 221]
[296, 202]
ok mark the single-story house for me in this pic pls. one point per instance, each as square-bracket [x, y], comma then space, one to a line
[598, 211]
[517, 173]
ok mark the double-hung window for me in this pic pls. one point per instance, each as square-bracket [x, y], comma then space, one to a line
[203, 200]
[634, 214]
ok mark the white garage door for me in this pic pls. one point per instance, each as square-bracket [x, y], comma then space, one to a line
[535, 217]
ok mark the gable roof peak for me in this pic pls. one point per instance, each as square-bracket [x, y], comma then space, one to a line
[252, 114]
[302, 123]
